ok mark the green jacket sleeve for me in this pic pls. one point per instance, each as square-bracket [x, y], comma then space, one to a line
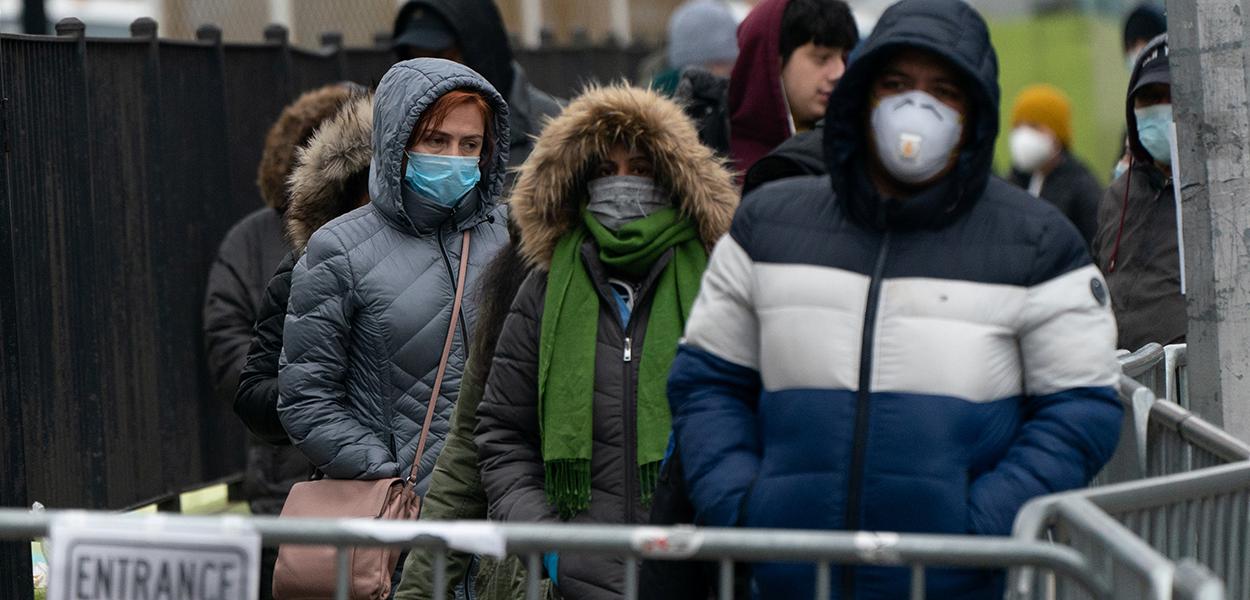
[455, 493]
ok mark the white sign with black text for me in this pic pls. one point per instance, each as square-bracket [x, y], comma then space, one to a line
[152, 558]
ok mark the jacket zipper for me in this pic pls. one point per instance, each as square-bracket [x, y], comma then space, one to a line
[451, 276]
[629, 398]
[629, 407]
[858, 449]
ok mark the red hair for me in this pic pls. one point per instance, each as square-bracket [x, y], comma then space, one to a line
[434, 116]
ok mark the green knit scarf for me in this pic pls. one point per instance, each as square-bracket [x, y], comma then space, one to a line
[566, 357]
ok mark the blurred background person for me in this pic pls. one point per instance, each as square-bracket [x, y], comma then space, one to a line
[792, 53]
[471, 32]
[1136, 245]
[248, 256]
[701, 34]
[1042, 160]
[1143, 24]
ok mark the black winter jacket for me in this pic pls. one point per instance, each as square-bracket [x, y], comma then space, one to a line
[256, 402]
[236, 283]
[508, 438]
[1136, 246]
[545, 207]
[1145, 280]
[802, 154]
[1073, 190]
[705, 98]
[247, 257]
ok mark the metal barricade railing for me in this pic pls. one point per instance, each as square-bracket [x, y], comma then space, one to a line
[1159, 435]
[722, 546]
[1147, 366]
[1178, 488]
[1176, 374]
[1202, 516]
[1123, 561]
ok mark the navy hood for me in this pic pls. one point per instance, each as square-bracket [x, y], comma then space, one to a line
[947, 28]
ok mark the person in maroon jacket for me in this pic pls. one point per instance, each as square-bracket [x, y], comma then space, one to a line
[791, 54]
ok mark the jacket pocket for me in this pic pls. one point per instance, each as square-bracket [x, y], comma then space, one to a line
[744, 507]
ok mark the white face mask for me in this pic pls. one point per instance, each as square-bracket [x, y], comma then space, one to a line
[1030, 149]
[916, 135]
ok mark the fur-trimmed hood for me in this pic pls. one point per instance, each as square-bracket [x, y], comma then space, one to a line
[292, 130]
[551, 186]
[337, 155]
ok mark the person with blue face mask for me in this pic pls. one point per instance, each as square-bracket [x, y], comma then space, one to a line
[373, 295]
[1136, 245]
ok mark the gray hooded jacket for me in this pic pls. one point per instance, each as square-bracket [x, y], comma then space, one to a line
[371, 297]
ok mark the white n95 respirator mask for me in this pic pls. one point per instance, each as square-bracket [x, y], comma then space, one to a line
[916, 135]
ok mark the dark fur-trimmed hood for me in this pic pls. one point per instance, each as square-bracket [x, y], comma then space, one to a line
[338, 153]
[550, 187]
[292, 130]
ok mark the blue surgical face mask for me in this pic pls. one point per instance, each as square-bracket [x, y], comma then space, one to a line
[1154, 131]
[443, 179]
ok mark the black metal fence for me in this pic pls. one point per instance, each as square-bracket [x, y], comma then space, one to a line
[125, 162]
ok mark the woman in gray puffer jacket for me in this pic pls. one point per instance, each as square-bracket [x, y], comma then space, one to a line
[371, 299]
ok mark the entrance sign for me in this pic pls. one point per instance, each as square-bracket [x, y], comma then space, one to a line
[152, 558]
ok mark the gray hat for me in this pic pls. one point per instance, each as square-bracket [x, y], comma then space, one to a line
[700, 32]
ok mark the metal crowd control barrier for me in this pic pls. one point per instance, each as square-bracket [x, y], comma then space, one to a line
[1176, 374]
[1180, 491]
[724, 546]
[1201, 518]
[1161, 436]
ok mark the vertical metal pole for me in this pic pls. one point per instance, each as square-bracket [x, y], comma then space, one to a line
[531, 23]
[534, 566]
[726, 591]
[917, 582]
[631, 578]
[621, 29]
[279, 35]
[1208, 43]
[824, 583]
[440, 572]
[342, 586]
[280, 12]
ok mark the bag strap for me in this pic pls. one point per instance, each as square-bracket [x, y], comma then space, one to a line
[442, 362]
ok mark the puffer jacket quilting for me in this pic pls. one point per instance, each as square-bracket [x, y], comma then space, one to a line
[371, 297]
[859, 362]
[546, 206]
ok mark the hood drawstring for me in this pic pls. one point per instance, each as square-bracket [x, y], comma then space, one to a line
[1119, 233]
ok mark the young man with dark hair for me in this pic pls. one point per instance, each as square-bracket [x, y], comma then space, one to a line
[907, 344]
[792, 53]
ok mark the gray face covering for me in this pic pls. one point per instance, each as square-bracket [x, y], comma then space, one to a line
[619, 200]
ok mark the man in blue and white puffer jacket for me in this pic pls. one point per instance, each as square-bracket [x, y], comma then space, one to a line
[908, 344]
